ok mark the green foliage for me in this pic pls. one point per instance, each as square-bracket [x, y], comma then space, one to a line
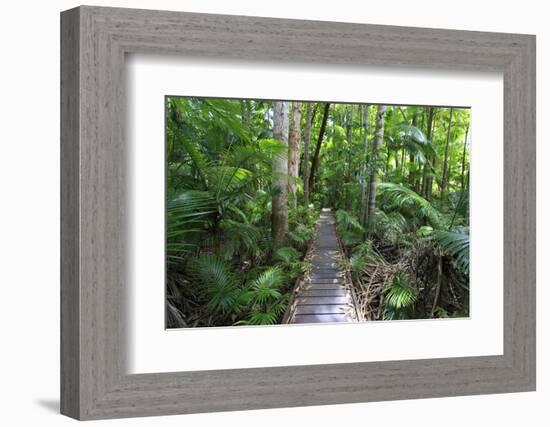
[302, 226]
[349, 228]
[397, 196]
[390, 227]
[286, 255]
[362, 254]
[220, 282]
[264, 299]
[289, 260]
[222, 269]
[411, 139]
[457, 245]
[424, 231]
[188, 217]
[399, 299]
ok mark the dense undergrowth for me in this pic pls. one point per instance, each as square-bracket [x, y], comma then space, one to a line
[414, 262]
[245, 181]
[222, 267]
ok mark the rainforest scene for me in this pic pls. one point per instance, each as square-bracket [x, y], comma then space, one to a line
[287, 212]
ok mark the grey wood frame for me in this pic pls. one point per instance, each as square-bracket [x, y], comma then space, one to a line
[94, 41]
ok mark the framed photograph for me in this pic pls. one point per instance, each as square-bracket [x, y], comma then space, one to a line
[261, 213]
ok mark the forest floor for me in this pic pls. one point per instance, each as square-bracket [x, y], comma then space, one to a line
[323, 294]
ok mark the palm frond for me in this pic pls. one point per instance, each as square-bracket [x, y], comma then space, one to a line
[457, 245]
[286, 255]
[188, 217]
[347, 221]
[224, 179]
[272, 278]
[400, 197]
[399, 298]
[238, 235]
[348, 227]
[221, 284]
[357, 263]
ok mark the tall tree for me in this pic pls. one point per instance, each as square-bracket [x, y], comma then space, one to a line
[428, 166]
[364, 186]
[411, 154]
[294, 150]
[349, 132]
[307, 141]
[462, 187]
[315, 160]
[279, 201]
[444, 171]
[373, 176]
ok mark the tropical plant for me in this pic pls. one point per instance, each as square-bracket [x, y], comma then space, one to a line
[245, 182]
[399, 299]
[222, 286]
[264, 299]
[457, 245]
[289, 260]
[349, 228]
[188, 218]
[399, 197]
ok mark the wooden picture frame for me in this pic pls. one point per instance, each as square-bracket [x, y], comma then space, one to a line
[94, 382]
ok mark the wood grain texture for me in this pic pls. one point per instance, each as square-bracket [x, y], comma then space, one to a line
[70, 292]
[94, 382]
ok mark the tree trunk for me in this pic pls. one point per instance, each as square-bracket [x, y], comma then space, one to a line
[464, 160]
[388, 156]
[364, 187]
[279, 201]
[350, 156]
[411, 157]
[377, 143]
[315, 161]
[426, 180]
[444, 173]
[307, 141]
[294, 150]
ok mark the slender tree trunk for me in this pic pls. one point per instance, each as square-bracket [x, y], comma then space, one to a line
[294, 150]
[388, 155]
[464, 160]
[444, 173]
[426, 179]
[350, 156]
[411, 157]
[462, 192]
[315, 160]
[279, 201]
[307, 141]
[438, 283]
[377, 143]
[364, 186]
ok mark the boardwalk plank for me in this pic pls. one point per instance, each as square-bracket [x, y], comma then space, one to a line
[320, 318]
[321, 309]
[324, 292]
[324, 299]
[310, 286]
[327, 280]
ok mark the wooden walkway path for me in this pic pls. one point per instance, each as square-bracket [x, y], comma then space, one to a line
[323, 295]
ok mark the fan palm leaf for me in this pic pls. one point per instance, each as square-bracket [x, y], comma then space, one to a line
[457, 245]
[400, 197]
[221, 284]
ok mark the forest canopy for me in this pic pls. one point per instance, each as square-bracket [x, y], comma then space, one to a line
[246, 181]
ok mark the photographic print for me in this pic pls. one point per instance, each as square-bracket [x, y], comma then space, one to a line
[287, 212]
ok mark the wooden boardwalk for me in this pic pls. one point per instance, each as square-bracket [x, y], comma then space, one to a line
[323, 295]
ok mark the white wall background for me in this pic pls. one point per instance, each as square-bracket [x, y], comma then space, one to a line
[29, 214]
